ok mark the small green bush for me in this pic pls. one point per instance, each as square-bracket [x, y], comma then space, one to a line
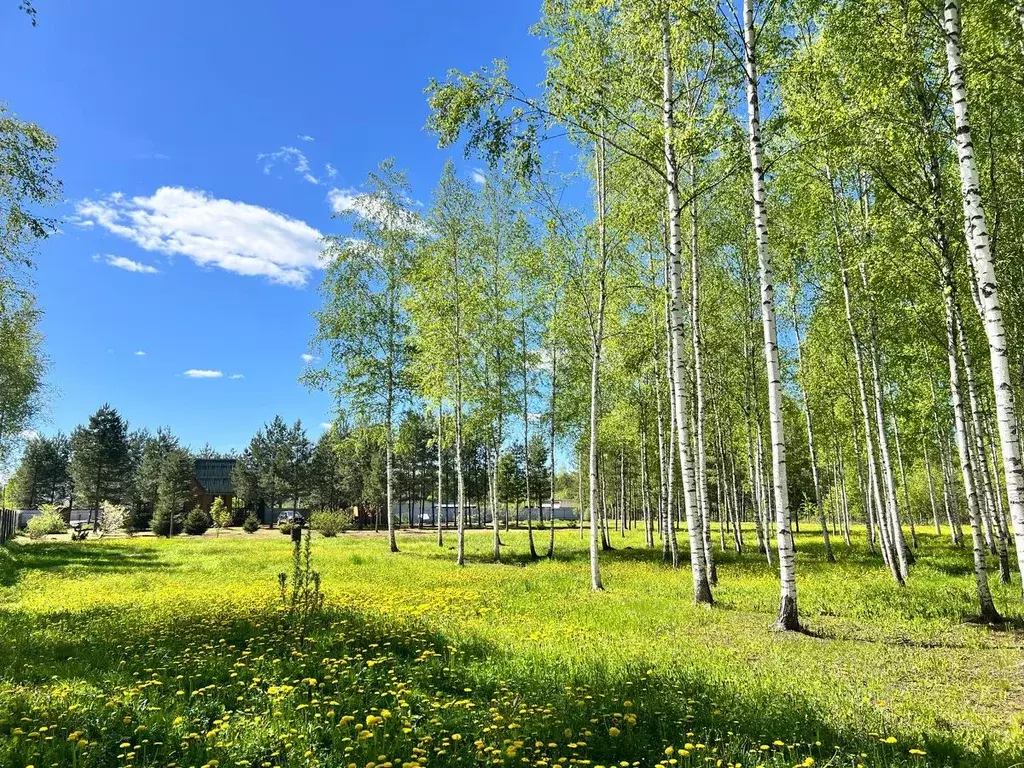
[251, 524]
[285, 528]
[331, 522]
[197, 522]
[47, 521]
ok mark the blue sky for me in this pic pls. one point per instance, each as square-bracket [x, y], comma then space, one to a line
[195, 139]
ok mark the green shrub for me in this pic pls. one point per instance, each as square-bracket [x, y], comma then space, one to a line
[331, 522]
[251, 524]
[285, 527]
[162, 519]
[197, 522]
[47, 521]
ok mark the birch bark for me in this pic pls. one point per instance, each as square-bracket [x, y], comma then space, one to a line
[698, 564]
[976, 231]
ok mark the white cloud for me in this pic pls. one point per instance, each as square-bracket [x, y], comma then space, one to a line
[140, 353]
[202, 373]
[331, 171]
[28, 434]
[371, 208]
[120, 262]
[236, 376]
[478, 176]
[342, 200]
[238, 237]
[305, 137]
[326, 424]
[307, 358]
[288, 156]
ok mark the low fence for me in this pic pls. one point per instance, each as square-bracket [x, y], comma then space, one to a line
[8, 524]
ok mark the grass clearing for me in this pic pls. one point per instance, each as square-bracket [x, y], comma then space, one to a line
[153, 652]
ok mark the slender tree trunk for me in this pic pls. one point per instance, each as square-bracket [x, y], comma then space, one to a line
[595, 367]
[694, 523]
[862, 483]
[754, 473]
[948, 492]
[670, 544]
[554, 381]
[440, 475]
[460, 513]
[903, 477]
[389, 469]
[997, 543]
[603, 477]
[845, 501]
[931, 486]
[645, 490]
[891, 507]
[829, 556]
[986, 605]
[788, 618]
[858, 356]
[698, 386]
[579, 492]
[976, 231]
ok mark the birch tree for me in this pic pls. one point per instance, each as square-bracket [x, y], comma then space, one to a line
[363, 327]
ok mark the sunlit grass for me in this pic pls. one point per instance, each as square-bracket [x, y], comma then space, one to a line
[175, 649]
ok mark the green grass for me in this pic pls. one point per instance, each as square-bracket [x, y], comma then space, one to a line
[177, 651]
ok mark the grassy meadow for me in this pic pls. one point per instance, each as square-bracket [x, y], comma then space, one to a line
[150, 652]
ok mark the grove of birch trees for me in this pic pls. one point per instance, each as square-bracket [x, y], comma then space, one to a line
[737, 262]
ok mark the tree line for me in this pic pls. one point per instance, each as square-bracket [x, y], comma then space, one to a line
[151, 473]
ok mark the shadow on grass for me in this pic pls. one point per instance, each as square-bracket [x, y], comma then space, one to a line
[17, 559]
[677, 703]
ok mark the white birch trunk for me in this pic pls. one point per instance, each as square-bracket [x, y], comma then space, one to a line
[460, 513]
[897, 543]
[698, 378]
[788, 618]
[595, 371]
[389, 480]
[874, 495]
[526, 442]
[829, 556]
[440, 476]
[986, 280]
[671, 544]
[698, 565]
[903, 477]
[987, 607]
[996, 541]
[554, 381]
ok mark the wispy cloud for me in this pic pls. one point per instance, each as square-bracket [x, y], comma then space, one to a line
[120, 262]
[305, 137]
[236, 376]
[28, 434]
[288, 156]
[326, 424]
[478, 176]
[331, 171]
[202, 373]
[237, 237]
[140, 353]
[307, 358]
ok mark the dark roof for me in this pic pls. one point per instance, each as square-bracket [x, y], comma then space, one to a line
[215, 475]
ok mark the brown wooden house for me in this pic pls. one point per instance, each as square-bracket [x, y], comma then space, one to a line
[212, 480]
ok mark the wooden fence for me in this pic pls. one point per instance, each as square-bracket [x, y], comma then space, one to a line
[8, 524]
